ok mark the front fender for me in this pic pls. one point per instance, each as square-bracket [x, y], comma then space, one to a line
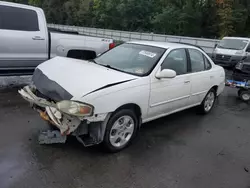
[110, 101]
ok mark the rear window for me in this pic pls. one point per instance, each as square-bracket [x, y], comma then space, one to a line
[13, 18]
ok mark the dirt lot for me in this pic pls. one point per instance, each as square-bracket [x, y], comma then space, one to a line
[184, 150]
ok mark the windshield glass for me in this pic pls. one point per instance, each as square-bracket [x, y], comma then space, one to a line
[234, 44]
[131, 58]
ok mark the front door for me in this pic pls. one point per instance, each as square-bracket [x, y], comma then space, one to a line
[23, 41]
[172, 94]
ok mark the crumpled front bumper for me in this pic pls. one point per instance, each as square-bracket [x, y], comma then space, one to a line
[48, 111]
[88, 130]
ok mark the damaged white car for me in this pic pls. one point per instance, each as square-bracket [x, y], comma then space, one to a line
[107, 99]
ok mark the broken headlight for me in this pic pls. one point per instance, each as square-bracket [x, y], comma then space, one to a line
[75, 108]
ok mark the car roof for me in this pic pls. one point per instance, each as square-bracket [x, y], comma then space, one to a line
[165, 45]
[239, 38]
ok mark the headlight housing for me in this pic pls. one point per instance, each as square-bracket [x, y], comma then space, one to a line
[75, 108]
[240, 52]
[239, 66]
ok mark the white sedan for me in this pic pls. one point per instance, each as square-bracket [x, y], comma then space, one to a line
[106, 100]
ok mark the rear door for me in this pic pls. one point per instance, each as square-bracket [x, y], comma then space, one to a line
[201, 76]
[23, 37]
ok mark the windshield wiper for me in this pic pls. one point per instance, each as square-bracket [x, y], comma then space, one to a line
[107, 66]
[221, 47]
[232, 49]
[227, 48]
[110, 67]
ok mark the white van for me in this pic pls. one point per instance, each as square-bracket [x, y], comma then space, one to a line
[231, 50]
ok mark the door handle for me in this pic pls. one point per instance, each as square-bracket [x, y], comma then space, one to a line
[211, 77]
[37, 38]
[187, 82]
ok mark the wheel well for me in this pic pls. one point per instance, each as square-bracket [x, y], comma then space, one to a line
[81, 54]
[215, 88]
[133, 107]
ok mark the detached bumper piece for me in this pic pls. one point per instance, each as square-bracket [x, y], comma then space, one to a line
[51, 137]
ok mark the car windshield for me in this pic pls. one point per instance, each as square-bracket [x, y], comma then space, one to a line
[234, 44]
[131, 58]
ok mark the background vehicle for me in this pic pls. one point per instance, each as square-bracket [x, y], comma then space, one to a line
[26, 41]
[242, 70]
[131, 84]
[231, 50]
[243, 88]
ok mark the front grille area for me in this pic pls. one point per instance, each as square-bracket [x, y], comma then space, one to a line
[221, 57]
[39, 94]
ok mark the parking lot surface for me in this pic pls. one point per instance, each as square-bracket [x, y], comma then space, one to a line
[184, 150]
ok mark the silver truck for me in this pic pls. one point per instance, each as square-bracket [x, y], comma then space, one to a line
[231, 50]
[25, 40]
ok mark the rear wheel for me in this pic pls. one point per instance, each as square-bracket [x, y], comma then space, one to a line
[208, 102]
[244, 95]
[121, 129]
[239, 92]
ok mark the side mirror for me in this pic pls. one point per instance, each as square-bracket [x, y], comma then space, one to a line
[215, 45]
[166, 73]
[248, 49]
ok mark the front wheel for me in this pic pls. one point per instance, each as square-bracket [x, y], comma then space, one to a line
[208, 102]
[121, 129]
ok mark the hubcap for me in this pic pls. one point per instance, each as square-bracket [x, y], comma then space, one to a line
[246, 97]
[209, 102]
[122, 131]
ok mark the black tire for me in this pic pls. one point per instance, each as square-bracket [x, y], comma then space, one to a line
[245, 95]
[239, 92]
[106, 142]
[202, 108]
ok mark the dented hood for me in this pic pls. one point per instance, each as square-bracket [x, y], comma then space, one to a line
[63, 78]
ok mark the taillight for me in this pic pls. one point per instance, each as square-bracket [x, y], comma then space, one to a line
[111, 45]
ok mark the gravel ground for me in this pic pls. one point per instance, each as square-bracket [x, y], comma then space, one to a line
[184, 150]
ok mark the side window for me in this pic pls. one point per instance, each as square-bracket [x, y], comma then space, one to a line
[13, 18]
[208, 65]
[177, 61]
[248, 48]
[197, 60]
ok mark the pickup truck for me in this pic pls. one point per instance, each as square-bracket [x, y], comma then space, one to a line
[26, 41]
